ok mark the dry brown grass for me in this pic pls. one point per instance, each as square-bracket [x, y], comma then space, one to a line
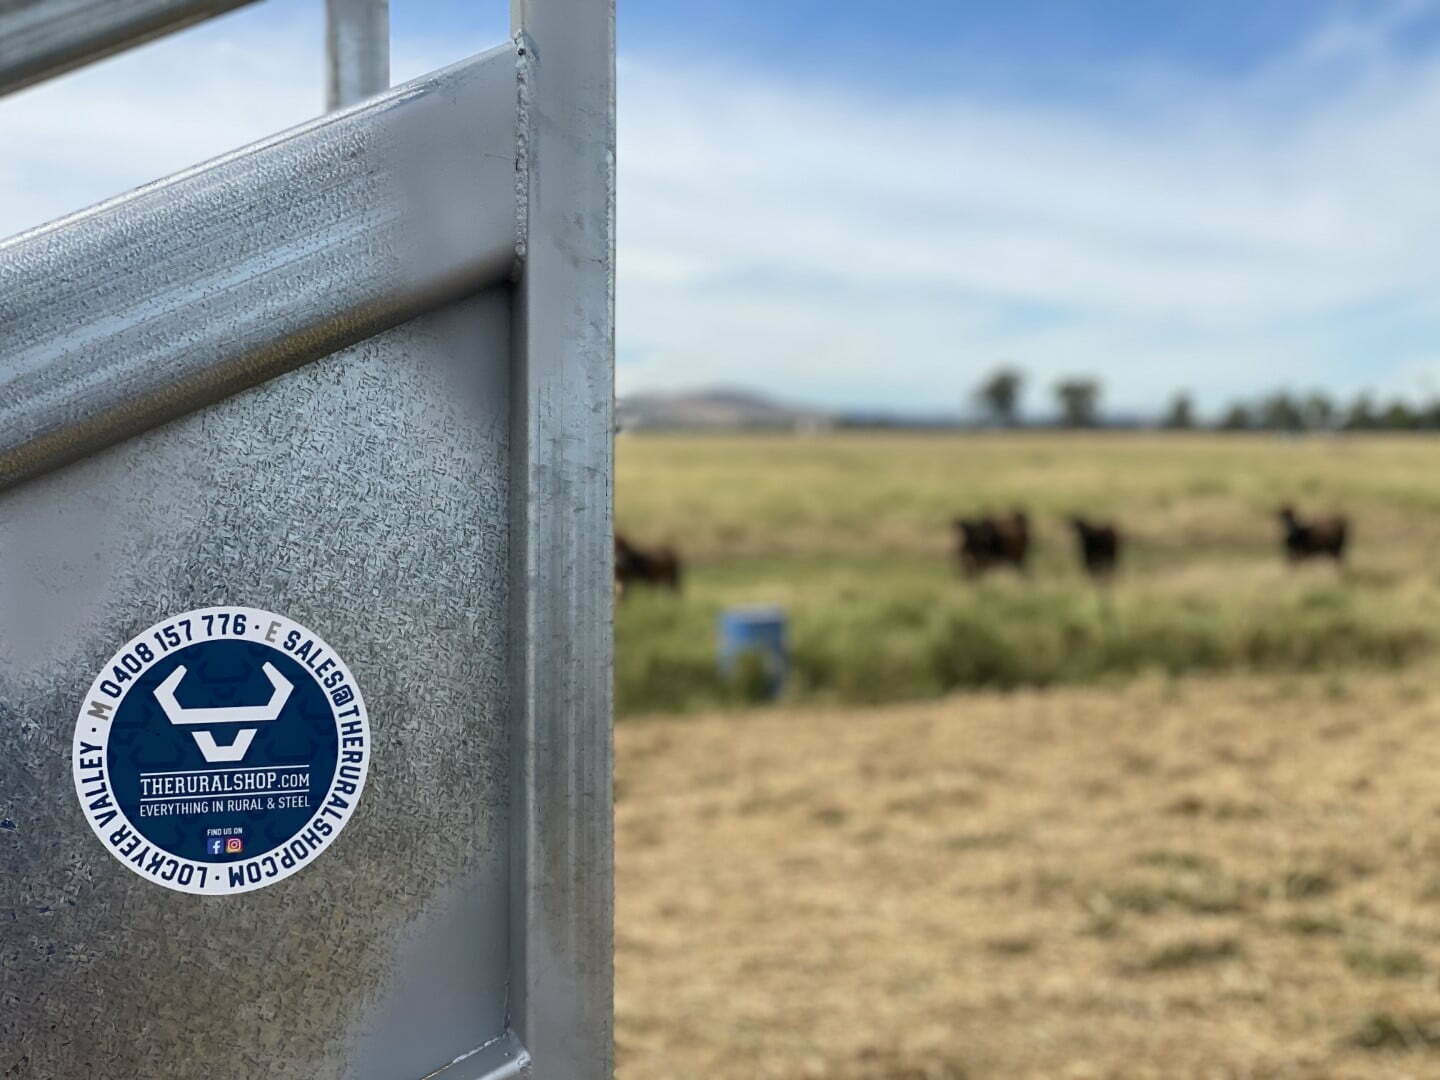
[1225, 879]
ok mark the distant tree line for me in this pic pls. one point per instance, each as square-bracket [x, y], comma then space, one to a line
[1283, 411]
[1078, 399]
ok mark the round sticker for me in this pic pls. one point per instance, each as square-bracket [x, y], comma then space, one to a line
[221, 750]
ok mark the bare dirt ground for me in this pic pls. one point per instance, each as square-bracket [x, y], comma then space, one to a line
[1225, 879]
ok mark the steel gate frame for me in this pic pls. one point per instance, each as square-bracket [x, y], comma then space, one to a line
[153, 305]
[40, 39]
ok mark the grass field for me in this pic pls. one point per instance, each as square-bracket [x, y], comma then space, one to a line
[1184, 827]
[1178, 878]
[849, 532]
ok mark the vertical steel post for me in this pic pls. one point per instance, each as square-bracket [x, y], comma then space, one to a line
[562, 539]
[357, 50]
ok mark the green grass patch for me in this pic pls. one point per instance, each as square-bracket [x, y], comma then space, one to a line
[1308, 925]
[871, 631]
[1385, 963]
[1190, 953]
[1388, 1031]
[850, 533]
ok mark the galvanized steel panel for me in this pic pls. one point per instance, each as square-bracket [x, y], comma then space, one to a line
[366, 495]
[359, 374]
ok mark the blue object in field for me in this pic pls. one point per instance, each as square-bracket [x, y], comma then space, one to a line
[760, 631]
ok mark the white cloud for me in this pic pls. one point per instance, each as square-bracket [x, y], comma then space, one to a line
[892, 250]
[857, 249]
[104, 129]
[136, 117]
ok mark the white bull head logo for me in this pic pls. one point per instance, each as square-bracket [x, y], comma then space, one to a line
[238, 714]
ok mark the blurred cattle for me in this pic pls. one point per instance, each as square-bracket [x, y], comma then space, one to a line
[984, 543]
[635, 565]
[1315, 539]
[1099, 545]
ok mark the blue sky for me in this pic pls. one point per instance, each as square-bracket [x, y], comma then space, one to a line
[872, 205]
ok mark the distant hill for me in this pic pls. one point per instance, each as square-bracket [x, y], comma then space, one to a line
[717, 407]
[722, 408]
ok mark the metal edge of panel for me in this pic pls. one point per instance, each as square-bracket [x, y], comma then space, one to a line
[502, 1058]
[47, 38]
[185, 291]
[562, 992]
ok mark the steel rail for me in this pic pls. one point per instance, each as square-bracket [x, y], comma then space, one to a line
[357, 50]
[40, 39]
[178, 294]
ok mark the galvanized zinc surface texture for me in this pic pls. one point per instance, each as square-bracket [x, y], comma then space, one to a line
[365, 495]
[563, 415]
[166, 299]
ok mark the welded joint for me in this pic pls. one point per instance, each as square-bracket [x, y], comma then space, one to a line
[525, 59]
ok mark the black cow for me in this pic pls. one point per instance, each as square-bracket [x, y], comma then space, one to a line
[658, 566]
[1319, 538]
[1099, 546]
[983, 543]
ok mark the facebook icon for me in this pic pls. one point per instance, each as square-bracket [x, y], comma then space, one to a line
[216, 845]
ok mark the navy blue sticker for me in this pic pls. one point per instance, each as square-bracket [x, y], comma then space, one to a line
[221, 750]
